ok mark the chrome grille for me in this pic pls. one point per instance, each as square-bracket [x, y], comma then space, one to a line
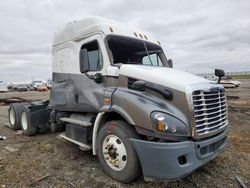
[210, 111]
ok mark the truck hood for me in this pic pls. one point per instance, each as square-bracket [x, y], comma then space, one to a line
[169, 77]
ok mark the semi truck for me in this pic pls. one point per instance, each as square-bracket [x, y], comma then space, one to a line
[3, 86]
[115, 92]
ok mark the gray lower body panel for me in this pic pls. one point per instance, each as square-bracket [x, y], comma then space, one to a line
[171, 161]
[75, 92]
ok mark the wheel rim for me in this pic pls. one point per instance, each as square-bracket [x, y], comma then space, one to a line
[114, 152]
[24, 121]
[12, 116]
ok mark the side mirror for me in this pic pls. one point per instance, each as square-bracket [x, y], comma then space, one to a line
[84, 61]
[219, 73]
[139, 85]
[170, 63]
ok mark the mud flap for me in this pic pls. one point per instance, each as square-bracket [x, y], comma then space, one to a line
[38, 114]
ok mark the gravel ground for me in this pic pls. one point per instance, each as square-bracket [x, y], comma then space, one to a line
[45, 161]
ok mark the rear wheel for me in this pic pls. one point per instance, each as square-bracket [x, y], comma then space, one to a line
[115, 152]
[15, 111]
[27, 128]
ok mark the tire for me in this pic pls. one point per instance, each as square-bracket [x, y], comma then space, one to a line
[14, 115]
[27, 128]
[112, 139]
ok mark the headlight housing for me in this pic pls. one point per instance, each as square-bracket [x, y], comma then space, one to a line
[168, 124]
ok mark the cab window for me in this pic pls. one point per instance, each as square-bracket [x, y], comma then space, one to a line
[94, 55]
[155, 60]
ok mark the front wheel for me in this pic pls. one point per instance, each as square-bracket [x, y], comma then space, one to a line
[115, 152]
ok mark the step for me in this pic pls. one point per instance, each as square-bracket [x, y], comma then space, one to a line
[78, 119]
[82, 146]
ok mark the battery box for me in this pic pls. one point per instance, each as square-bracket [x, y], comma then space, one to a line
[79, 133]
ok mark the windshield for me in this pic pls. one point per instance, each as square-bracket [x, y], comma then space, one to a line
[127, 50]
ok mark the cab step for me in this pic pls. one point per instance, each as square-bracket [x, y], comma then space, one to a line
[78, 119]
[81, 145]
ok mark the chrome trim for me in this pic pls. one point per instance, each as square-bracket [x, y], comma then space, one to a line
[205, 125]
[210, 108]
[198, 105]
[203, 116]
[222, 126]
[207, 99]
[205, 119]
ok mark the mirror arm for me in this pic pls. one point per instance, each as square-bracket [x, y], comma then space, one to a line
[89, 76]
[170, 63]
[219, 79]
[98, 77]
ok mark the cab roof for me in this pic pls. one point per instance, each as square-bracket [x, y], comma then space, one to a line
[78, 30]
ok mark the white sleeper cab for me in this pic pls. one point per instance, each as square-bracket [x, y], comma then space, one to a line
[116, 93]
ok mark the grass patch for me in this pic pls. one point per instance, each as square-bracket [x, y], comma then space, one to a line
[240, 141]
[238, 77]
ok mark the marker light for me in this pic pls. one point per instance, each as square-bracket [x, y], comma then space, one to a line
[160, 123]
[168, 124]
[106, 101]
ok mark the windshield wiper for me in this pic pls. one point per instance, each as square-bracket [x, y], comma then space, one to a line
[147, 52]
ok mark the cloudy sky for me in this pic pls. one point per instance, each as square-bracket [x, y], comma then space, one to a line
[198, 35]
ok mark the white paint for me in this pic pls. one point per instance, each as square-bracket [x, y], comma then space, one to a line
[24, 121]
[66, 56]
[112, 71]
[169, 77]
[113, 142]
[12, 116]
[77, 30]
[69, 39]
[95, 129]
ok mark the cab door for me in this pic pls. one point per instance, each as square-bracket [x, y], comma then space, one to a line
[90, 88]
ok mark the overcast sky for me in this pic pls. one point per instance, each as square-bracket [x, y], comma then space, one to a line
[198, 35]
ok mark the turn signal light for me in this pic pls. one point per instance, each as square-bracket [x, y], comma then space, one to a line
[160, 126]
[106, 101]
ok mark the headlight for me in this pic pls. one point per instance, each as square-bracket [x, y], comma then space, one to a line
[166, 123]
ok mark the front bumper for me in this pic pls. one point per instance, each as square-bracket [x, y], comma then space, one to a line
[171, 161]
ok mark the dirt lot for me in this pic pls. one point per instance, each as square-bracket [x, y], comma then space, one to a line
[45, 161]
